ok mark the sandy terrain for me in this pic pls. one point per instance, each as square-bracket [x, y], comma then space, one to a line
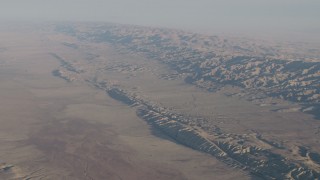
[54, 129]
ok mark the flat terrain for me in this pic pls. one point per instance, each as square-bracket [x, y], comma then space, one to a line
[125, 102]
[54, 129]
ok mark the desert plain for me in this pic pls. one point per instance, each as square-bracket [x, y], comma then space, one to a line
[60, 120]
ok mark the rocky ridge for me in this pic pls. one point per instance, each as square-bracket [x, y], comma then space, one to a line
[230, 149]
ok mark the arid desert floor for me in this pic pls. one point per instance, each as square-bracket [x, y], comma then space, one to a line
[57, 120]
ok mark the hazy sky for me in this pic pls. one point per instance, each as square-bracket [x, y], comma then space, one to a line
[204, 15]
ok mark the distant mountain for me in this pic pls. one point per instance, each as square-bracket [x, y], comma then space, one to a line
[287, 71]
